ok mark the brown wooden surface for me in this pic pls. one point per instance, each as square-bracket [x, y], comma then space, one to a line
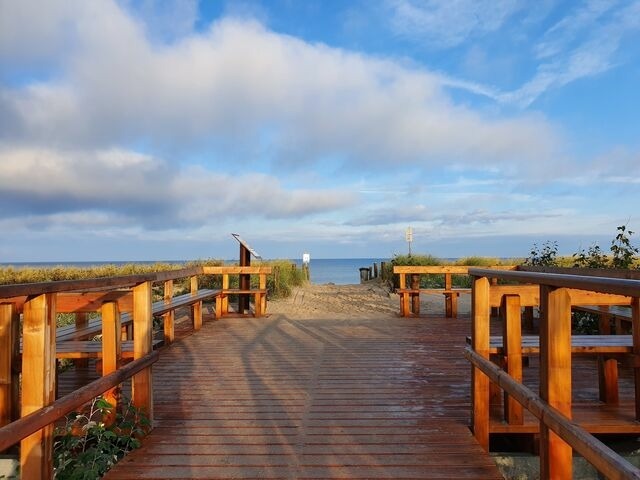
[38, 382]
[274, 398]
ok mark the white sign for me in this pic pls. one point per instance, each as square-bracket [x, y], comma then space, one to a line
[409, 234]
[306, 258]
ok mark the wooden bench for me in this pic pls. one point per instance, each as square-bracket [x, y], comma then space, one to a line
[73, 341]
[93, 326]
[259, 294]
[410, 294]
[608, 348]
[450, 298]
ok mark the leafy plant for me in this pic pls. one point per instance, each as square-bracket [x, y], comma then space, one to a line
[593, 258]
[545, 256]
[87, 446]
[623, 251]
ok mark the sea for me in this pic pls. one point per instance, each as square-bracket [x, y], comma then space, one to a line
[340, 271]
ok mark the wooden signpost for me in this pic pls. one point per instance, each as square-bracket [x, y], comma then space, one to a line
[245, 261]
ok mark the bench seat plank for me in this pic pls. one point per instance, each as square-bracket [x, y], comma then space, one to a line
[581, 344]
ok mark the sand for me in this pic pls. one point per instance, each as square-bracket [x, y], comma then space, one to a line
[370, 300]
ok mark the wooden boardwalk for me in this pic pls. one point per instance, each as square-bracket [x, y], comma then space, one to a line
[278, 398]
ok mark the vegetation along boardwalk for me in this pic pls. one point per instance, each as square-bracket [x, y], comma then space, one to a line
[278, 397]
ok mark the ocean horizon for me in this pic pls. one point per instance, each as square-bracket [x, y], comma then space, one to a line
[340, 271]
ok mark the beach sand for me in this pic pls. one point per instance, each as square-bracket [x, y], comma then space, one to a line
[370, 300]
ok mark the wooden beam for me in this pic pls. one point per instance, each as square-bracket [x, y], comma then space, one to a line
[142, 385]
[480, 333]
[440, 269]
[236, 270]
[635, 332]
[555, 378]
[196, 308]
[225, 299]
[38, 382]
[512, 345]
[169, 317]
[529, 294]
[111, 352]
[92, 301]
[263, 298]
[9, 320]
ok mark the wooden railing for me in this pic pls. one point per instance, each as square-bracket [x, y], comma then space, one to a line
[32, 397]
[410, 290]
[259, 294]
[554, 294]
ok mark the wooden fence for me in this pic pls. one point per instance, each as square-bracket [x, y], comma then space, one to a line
[554, 294]
[28, 341]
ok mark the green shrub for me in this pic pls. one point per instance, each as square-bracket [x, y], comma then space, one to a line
[85, 448]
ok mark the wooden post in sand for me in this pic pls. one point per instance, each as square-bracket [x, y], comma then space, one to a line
[415, 297]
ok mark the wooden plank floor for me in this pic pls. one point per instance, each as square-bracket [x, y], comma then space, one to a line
[277, 398]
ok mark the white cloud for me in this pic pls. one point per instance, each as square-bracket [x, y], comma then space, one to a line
[238, 80]
[447, 23]
[583, 44]
[122, 186]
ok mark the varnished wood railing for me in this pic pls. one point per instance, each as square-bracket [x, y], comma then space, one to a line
[409, 285]
[554, 293]
[37, 304]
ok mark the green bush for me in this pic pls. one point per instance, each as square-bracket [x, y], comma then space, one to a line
[85, 448]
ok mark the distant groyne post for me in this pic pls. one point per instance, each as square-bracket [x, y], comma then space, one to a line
[364, 274]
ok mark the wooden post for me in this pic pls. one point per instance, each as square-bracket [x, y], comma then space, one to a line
[495, 310]
[170, 316]
[448, 297]
[555, 378]
[607, 367]
[375, 270]
[383, 270]
[528, 319]
[415, 297]
[480, 343]
[111, 351]
[263, 296]
[512, 346]
[82, 320]
[38, 382]
[404, 296]
[635, 331]
[225, 299]
[196, 308]
[245, 280]
[9, 319]
[141, 384]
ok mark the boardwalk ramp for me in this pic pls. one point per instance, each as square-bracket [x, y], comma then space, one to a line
[322, 398]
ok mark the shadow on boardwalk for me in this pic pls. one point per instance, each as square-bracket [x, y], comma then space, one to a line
[313, 396]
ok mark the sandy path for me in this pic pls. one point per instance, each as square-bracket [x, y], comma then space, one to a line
[369, 300]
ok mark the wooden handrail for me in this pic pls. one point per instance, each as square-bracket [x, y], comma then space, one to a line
[436, 269]
[39, 288]
[598, 454]
[616, 286]
[235, 270]
[588, 272]
[87, 284]
[163, 276]
[14, 432]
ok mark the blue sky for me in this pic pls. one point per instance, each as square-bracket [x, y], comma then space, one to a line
[145, 130]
